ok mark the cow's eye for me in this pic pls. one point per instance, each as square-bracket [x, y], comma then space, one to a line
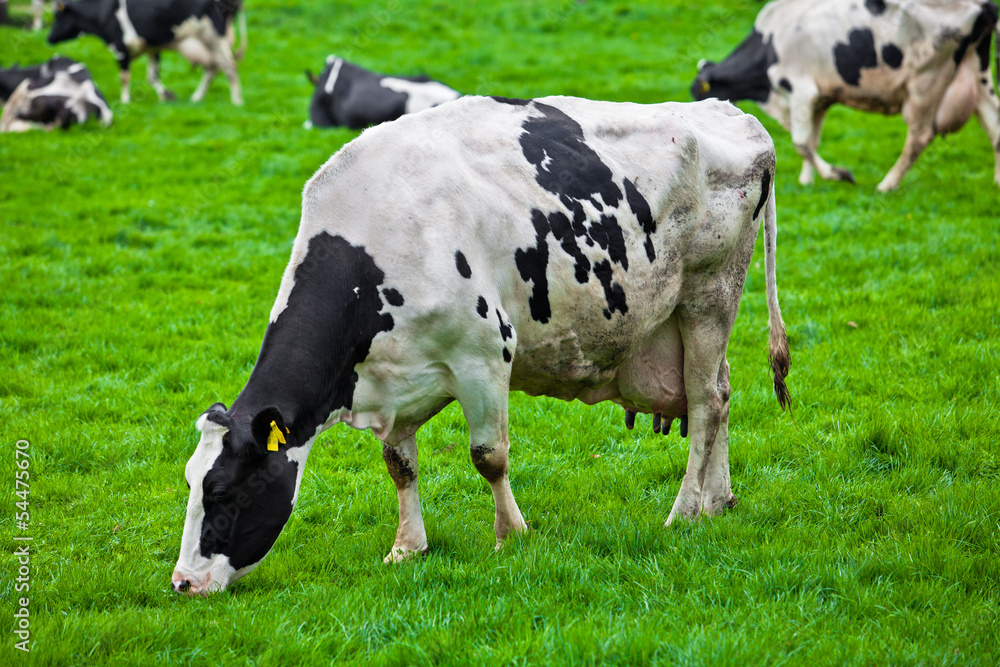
[218, 492]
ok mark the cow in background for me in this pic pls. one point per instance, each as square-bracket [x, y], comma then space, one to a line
[928, 61]
[11, 77]
[57, 93]
[350, 96]
[198, 29]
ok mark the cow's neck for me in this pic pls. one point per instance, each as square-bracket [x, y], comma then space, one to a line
[307, 359]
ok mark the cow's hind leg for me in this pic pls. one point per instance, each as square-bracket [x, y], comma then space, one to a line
[919, 133]
[411, 538]
[706, 383]
[206, 80]
[716, 493]
[988, 112]
[227, 63]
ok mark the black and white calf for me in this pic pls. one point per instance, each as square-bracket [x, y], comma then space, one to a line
[928, 61]
[350, 96]
[560, 247]
[56, 93]
[200, 30]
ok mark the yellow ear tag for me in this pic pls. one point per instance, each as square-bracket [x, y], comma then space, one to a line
[705, 87]
[275, 437]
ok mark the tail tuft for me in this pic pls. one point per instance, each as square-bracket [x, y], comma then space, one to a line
[780, 361]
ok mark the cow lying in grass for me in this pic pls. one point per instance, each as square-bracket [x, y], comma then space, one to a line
[927, 61]
[560, 247]
[57, 93]
[346, 95]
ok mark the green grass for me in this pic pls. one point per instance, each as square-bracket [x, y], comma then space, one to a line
[138, 265]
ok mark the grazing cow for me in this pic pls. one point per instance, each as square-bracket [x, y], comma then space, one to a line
[926, 60]
[198, 29]
[560, 247]
[350, 96]
[59, 93]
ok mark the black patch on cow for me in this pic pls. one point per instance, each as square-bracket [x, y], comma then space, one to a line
[462, 265]
[640, 207]
[511, 100]
[506, 331]
[568, 167]
[979, 35]
[613, 292]
[742, 75]
[506, 355]
[857, 54]
[307, 359]
[892, 56]
[247, 500]
[393, 296]
[785, 84]
[876, 7]
[482, 308]
[765, 192]
[305, 371]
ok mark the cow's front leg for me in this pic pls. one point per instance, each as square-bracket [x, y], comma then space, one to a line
[704, 339]
[411, 538]
[491, 460]
[489, 447]
[153, 77]
[125, 77]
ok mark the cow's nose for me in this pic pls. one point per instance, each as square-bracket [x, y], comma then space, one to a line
[182, 585]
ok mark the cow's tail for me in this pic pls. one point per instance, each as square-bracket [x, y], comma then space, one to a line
[777, 339]
[241, 20]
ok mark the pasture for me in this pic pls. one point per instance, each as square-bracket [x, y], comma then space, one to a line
[138, 265]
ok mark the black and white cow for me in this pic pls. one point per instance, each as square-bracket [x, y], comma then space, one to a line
[350, 96]
[561, 247]
[199, 29]
[928, 61]
[56, 93]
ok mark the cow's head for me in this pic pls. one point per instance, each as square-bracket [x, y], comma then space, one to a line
[741, 76]
[244, 478]
[72, 19]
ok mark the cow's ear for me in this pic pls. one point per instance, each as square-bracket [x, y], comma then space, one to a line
[269, 430]
[62, 7]
[312, 78]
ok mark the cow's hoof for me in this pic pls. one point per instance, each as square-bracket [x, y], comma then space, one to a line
[732, 502]
[399, 554]
[844, 175]
[887, 186]
[168, 96]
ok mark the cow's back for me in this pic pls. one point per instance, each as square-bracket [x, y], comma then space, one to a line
[573, 228]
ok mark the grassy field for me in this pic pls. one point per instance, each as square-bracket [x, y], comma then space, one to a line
[138, 265]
